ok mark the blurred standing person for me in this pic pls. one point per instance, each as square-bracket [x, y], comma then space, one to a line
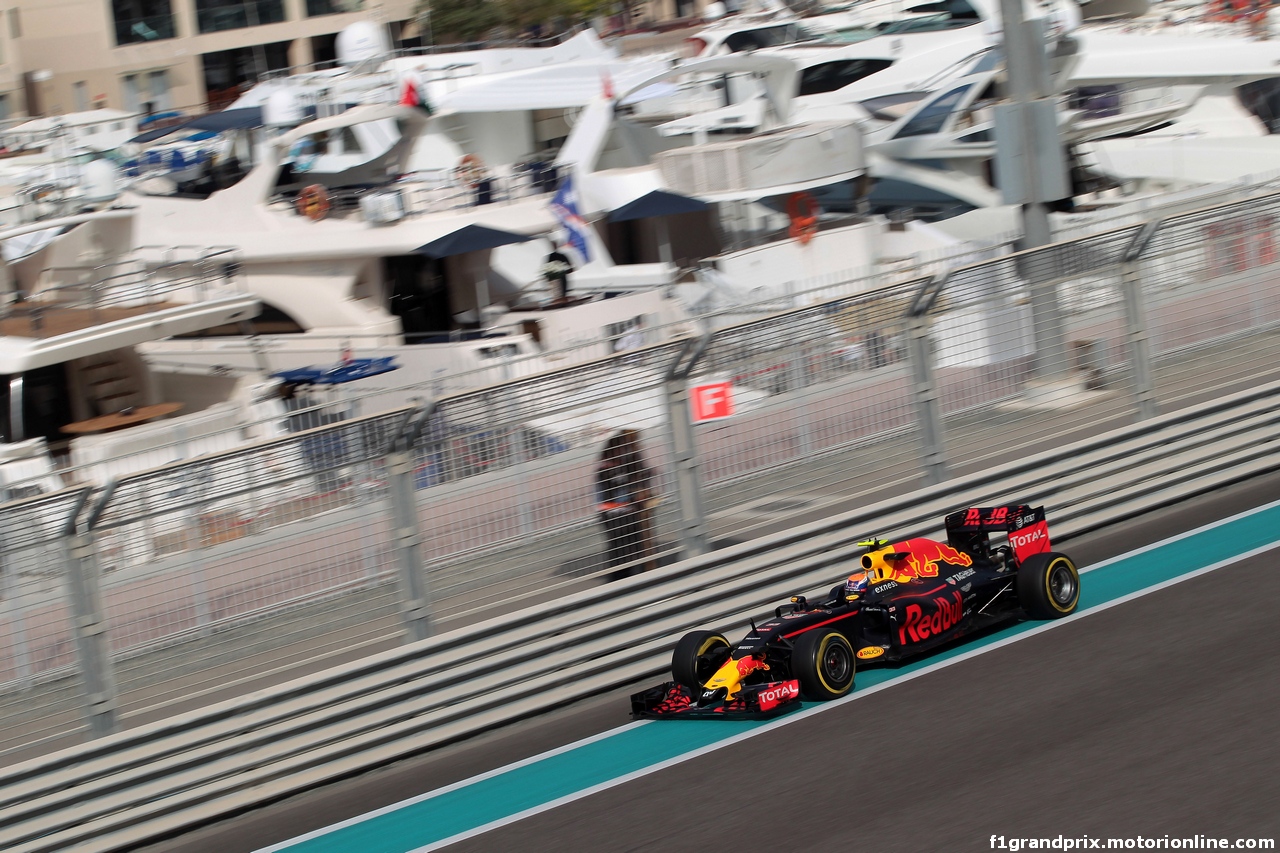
[556, 269]
[623, 494]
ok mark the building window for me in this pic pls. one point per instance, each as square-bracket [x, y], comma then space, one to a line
[80, 91]
[215, 15]
[324, 50]
[5, 109]
[142, 20]
[332, 7]
[158, 86]
[15, 24]
[228, 73]
[132, 97]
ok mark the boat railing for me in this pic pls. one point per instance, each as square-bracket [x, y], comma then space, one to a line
[201, 270]
[439, 190]
[135, 282]
[1107, 101]
[1190, 25]
[47, 199]
[413, 52]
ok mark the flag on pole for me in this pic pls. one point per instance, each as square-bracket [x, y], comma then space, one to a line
[565, 206]
[412, 95]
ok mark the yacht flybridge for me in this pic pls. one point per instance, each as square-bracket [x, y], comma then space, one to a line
[437, 261]
[387, 261]
[1136, 106]
[389, 229]
[75, 394]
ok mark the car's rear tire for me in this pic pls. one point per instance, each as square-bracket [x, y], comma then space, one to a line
[697, 657]
[1048, 586]
[824, 663]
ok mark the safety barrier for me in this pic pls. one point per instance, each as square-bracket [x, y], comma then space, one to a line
[224, 573]
[125, 789]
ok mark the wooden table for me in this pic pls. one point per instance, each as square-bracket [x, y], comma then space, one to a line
[120, 420]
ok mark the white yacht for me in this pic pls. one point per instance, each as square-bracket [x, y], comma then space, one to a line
[668, 133]
[1144, 111]
[58, 165]
[80, 404]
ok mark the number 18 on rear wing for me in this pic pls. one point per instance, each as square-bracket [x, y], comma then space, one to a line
[970, 529]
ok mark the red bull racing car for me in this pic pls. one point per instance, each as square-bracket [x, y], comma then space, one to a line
[904, 599]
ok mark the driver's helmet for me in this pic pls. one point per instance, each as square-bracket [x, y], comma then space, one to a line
[857, 584]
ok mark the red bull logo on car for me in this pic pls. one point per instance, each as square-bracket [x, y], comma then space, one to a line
[732, 672]
[919, 625]
[748, 665]
[917, 558]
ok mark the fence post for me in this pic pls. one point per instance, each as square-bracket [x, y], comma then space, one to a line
[924, 385]
[693, 515]
[84, 588]
[12, 612]
[1135, 316]
[406, 536]
[798, 381]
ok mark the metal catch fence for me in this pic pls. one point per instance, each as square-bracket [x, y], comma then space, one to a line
[206, 577]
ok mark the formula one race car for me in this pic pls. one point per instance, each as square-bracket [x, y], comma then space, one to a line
[904, 599]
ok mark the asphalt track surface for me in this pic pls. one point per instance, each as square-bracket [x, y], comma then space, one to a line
[1157, 716]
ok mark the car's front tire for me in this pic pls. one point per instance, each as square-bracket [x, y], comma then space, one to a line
[697, 657]
[1048, 586]
[824, 663]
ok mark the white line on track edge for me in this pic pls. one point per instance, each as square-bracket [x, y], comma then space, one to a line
[1178, 537]
[826, 706]
[470, 780]
[285, 845]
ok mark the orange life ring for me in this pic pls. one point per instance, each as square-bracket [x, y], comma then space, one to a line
[313, 202]
[470, 169]
[804, 222]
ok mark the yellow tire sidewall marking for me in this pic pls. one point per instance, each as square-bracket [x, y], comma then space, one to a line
[1048, 574]
[822, 653]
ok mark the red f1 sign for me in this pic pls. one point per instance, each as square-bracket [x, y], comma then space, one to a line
[711, 401]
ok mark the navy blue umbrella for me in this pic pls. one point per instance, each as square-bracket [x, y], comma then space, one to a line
[469, 238]
[237, 119]
[657, 203]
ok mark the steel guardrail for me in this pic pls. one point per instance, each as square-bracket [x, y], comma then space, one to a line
[159, 779]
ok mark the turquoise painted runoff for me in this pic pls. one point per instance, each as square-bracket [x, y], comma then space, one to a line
[633, 748]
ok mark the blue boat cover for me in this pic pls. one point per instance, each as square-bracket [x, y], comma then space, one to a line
[336, 374]
[241, 118]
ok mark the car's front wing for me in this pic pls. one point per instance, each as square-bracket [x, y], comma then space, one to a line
[753, 702]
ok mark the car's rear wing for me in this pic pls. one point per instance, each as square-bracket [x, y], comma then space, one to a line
[969, 529]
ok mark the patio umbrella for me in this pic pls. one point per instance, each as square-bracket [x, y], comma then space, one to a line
[656, 203]
[659, 204]
[471, 238]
